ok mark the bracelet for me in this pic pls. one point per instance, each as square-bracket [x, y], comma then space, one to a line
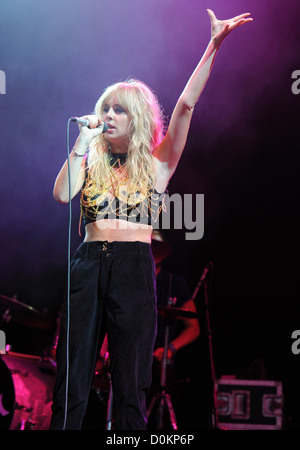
[172, 348]
[78, 154]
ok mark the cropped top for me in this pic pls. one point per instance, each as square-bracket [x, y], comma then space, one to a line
[97, 204]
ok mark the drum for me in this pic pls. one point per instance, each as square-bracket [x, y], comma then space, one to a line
[26, 387]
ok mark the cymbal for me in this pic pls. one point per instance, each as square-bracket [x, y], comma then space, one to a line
[171, 312]
[24, 314]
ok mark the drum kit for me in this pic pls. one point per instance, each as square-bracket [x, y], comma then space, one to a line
[27, 381]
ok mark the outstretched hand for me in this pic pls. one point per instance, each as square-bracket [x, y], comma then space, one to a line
[221, 28]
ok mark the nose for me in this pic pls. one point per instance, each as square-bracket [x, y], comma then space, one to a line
[108, 114]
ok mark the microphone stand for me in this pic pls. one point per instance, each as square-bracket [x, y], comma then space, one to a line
[163, 397]
[214, 415]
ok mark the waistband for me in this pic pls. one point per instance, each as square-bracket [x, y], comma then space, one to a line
[93, 248]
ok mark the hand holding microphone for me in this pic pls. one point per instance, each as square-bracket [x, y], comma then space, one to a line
[91, 122]
[90, 127]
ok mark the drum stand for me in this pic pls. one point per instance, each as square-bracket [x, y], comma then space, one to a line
[163, 398]
[214, 407]
[109, 407]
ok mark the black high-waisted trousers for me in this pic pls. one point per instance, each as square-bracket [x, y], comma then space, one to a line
[112, 290]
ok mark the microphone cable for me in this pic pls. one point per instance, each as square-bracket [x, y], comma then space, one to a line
[68, 279]
[105, 128]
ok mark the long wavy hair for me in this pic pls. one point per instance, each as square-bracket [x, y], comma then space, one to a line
[145, 132]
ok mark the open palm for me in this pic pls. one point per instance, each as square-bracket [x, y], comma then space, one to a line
[220, 28]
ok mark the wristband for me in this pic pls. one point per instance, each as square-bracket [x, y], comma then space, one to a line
[78, 154]
[172, 348]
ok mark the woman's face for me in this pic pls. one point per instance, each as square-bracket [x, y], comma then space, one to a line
[117, 119]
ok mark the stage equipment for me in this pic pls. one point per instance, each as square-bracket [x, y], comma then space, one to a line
[26, 387]
[203, 281]
[12, 309]
[162, 397]
[249, 404]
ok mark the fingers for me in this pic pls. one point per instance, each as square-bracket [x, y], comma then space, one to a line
[158, 354]
[94, 121]
[211, 14]
[92, 130]
[238, 23]
[241, 16]
[234, 19]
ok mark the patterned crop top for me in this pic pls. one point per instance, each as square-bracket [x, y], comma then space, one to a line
[97, 204]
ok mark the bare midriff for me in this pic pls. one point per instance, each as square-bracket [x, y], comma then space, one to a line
[117, 230]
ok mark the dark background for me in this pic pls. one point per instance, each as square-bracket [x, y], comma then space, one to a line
[242, 154]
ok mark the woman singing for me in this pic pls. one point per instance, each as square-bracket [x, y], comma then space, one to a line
[121, 174]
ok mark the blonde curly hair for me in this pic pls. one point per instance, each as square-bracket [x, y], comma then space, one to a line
[145, 132]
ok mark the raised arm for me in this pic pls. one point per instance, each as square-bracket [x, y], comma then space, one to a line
[169, 151]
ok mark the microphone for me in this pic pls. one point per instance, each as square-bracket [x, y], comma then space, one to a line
[205, 271]
[86, 123]
[203, 277]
